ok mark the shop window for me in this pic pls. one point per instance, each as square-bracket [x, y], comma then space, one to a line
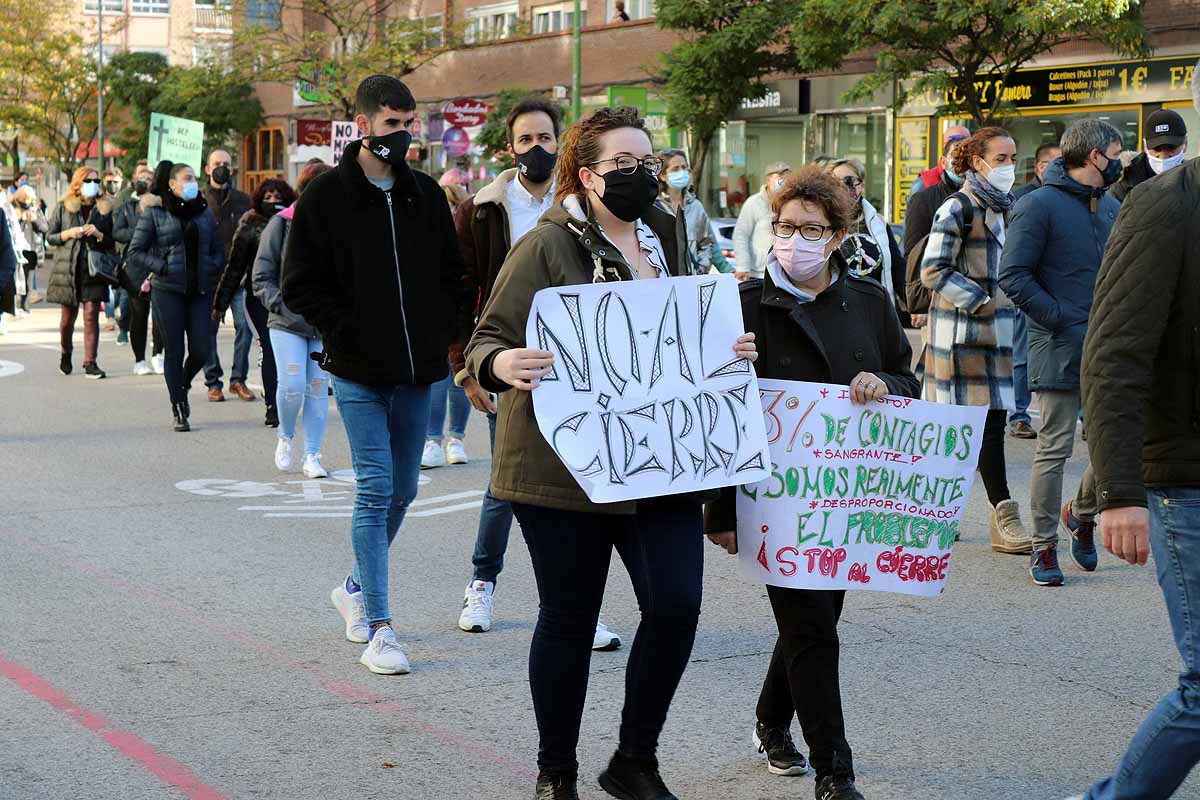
[1035, 128]
[151, 6]
[1192, 120]
[861, 135]
[263, 157]
[558, 17]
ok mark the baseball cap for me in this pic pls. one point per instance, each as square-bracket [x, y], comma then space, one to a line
[777, 168]
[1165, 127]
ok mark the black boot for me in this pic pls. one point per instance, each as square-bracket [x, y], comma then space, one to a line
[634, 779]
[837, 787]
[181, 418]
[272, 418]
[555, 786]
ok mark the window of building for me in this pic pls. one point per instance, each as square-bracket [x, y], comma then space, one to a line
[110, 6]
[433, 28]
[263, 14]
[263, 154]
[487, 23]
[558, 17]
[151, 6]
[636, 9]
[209, 51]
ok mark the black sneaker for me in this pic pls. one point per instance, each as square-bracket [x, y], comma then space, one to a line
[272, 418]
[782, 756]
[93, 372]
[64, 364]
[634, 779]
[555, 786]
[837, 787]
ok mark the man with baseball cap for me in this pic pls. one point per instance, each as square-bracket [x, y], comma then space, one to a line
[752, 236]
[1166, 147]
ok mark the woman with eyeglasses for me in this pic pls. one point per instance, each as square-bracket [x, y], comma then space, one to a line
[75, 228]
[815, 319]
[676, 198]
[603, 227]
[869, 248]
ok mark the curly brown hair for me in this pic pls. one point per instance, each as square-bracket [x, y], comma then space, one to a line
[813, 185]
[581, 145]
[287, 195]
[976, 146]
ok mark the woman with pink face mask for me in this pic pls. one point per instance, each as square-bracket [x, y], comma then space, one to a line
[814, 319]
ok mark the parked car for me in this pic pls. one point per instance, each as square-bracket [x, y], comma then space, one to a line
[722, 229]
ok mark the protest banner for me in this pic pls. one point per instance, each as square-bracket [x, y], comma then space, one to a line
[646, 397]
[859, 497]
[175, 139]
[343, 134]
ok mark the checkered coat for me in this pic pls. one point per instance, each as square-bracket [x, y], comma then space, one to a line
[969, 357]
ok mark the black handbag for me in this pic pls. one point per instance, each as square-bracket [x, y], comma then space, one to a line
[104, 265]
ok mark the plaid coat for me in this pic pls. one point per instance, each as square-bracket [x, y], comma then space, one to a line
[969, 357]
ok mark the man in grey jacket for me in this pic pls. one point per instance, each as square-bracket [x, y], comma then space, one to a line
[752, 235]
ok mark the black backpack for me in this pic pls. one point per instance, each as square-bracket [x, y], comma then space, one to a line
[916, 296]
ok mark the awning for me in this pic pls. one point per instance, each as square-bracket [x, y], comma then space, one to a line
[93, 150]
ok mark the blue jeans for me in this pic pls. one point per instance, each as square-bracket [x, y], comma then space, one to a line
[1021, 370]
[1167, 745]
[386, 429]
[301, 381]
[460, 409]
[242, 339]
[118, 298]
[495, 522]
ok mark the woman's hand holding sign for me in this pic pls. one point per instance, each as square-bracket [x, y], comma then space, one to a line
[867, 388]
[745, 347]
[522, 367]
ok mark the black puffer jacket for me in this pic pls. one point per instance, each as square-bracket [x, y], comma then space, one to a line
[125, 222]
[377, 274]
[1135, 174]
[239, 269]
[70, 284]
[1141, 358]
[157, 249]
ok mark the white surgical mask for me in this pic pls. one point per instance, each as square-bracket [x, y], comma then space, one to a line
[1161, 165]
[1002, 178]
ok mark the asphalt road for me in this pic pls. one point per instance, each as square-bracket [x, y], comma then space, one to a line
[165, 631]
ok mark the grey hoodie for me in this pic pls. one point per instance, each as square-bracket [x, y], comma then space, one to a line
[266, 279]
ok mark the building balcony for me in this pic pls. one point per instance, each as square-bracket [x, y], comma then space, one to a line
[213, 19]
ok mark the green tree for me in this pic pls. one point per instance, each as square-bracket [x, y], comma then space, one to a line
[493, 138]
[143, 83]
[331, 45]
[958, 50]
[726, 48]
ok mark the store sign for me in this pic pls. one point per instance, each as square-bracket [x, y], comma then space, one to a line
[1134, 81]
[456, 142]
[463, 113]
[912, 158]
[314, 132]
[782, 99]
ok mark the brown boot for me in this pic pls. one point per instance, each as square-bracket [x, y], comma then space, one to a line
[238, 388]
[1008, 532]
[215, 395]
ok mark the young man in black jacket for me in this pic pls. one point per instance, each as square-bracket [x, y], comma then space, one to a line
[372, 263]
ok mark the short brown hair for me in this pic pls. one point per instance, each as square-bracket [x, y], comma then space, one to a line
[976, 146]
[813, 185]
[581, 145]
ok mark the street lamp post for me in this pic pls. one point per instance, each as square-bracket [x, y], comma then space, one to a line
[99, 90]
[576, 65]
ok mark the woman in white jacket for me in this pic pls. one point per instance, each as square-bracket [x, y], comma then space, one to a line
[869, 247]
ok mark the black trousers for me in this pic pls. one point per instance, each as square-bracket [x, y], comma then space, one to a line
[259, 315]
[662, 548]
[182, 316]
[993, 467]
[31, 262]
[803, 676]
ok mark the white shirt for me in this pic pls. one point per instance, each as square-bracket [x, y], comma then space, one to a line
[651, 248]
[524, 210]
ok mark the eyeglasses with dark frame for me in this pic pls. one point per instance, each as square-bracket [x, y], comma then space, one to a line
[627, 165]
[809, 233]
[852, 183]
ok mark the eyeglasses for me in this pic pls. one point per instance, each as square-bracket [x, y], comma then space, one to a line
[810, 232]
[91, 180]
[627, 165]
[852, 183]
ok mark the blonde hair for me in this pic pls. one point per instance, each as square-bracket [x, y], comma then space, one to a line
[455, 195]
[114, 172]
[76, 187]
[26, 195]
[853, 163]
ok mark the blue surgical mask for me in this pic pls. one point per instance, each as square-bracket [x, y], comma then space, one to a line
[90, 190]
[190, 190]
[954, 177]
[679, 180]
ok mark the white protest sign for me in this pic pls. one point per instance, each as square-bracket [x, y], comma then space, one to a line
[343, 134]
[646, 397]
[859, 497]
[175, 139]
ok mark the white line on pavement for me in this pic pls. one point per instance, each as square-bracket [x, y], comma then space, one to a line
[445, 498]
[428, 501]
[446, 510]
[433, 512]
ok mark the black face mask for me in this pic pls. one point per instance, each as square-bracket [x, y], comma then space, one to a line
[275, 208]
[221, 175]
[112, 187]
[391, 149]
[536, 164]
[141, 187]
[628, 197]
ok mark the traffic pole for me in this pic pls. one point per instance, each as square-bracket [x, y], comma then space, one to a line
[576, 64]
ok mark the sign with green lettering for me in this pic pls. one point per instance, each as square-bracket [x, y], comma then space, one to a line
[860, 496]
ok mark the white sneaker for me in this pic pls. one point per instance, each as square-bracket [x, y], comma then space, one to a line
[434, 455]
[313, 468]
[141, 368]
[353, 612]
[455, 452]
[156, 364]
[3, 324]
[283, 454]
[476, 616]
[605, 639]
[383, 655]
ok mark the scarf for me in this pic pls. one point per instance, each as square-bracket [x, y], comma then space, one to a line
[993, 198]
[184, 209]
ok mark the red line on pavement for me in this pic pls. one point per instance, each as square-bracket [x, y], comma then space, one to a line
[166, 769]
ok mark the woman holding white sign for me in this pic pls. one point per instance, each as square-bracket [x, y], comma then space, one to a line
[817, 320]
[602, 228]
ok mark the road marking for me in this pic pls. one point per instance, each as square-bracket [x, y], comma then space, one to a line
[433, 512]
[10, 368]
[288, 511]
[166, 769]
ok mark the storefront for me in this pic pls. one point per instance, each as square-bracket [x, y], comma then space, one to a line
[1044, 102]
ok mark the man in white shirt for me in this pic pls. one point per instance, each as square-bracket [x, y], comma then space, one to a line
[752, 235]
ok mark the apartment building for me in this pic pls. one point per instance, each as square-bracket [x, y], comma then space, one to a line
[184, 31]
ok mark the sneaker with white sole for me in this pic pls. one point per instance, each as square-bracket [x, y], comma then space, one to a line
[354, 613]
[156, 364]
[476, 616]
[383, 655]
[141, 368]
[605, 639]
[283, 454]
[313, 468]
[456, 453]
[434, 455]
[782, 756]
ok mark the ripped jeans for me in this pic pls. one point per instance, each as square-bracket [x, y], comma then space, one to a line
[301, 381]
